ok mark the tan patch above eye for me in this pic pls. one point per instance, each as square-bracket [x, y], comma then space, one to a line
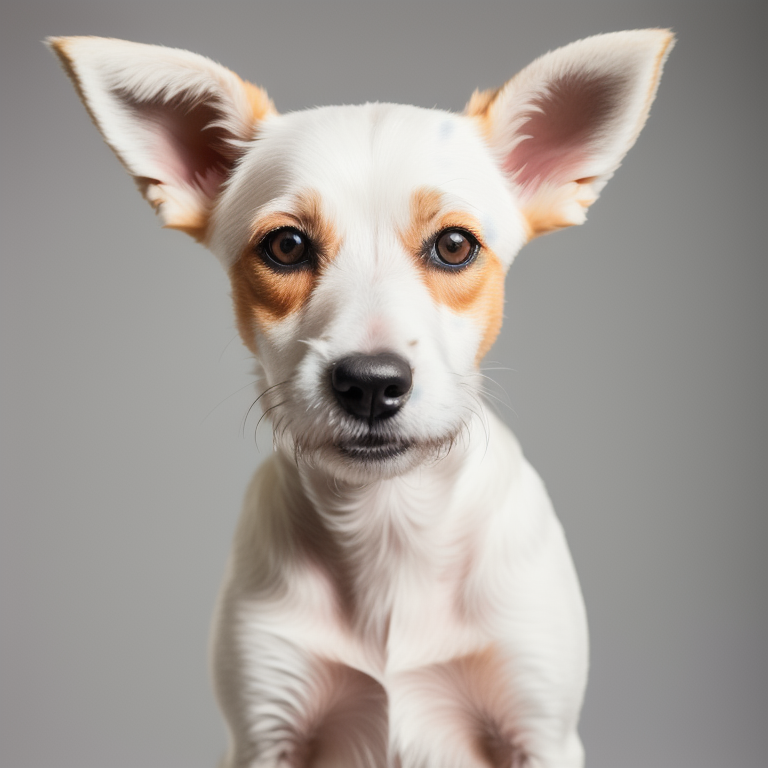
[263, 295]
[476, 290]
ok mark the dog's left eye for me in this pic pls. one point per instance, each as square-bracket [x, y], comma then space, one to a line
[455, 247]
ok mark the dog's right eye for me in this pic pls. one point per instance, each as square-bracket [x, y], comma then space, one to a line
[286, 247]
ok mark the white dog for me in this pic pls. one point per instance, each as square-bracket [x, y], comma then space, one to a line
[400, 593]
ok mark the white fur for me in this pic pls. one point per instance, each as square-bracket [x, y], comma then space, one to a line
[419, 611]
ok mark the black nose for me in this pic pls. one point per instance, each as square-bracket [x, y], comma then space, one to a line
[372, 386]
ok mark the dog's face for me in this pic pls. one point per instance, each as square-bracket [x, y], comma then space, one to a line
[367, 246]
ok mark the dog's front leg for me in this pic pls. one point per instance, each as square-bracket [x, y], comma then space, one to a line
[279, 652]
[513, 700]
[288, 708]
[281, 656]
[527, 589]
[466, 713]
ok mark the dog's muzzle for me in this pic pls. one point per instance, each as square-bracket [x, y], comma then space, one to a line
[372, 387]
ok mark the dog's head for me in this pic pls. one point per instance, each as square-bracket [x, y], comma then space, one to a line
[367, 246]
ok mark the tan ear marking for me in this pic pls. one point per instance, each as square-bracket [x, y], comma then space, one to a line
[669, 44]
[195, 226]
[177, 121]
[261, 105]
[560, 127]
[478, 108]
[60, 46]
[552, 207]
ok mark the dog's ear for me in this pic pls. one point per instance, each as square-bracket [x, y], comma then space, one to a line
[176, 120]
[561, 126]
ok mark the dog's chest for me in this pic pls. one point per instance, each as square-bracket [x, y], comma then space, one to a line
[424, 618]
[387, 619]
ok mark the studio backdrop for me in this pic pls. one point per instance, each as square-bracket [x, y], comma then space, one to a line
[632, 367]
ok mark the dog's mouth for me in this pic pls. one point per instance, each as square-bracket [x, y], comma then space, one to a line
[373, 448]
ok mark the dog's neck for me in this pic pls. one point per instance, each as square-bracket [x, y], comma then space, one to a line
[414, 506]
[377, 538]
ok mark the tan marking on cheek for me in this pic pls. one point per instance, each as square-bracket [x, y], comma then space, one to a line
[263, 296]
[491, 306]
[478, 289]
[477, 292]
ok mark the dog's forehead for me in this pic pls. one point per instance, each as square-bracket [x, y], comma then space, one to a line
[366, 163]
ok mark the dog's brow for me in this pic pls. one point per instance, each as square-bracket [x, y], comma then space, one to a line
[304, 211]
[426, 205]
[430, 214]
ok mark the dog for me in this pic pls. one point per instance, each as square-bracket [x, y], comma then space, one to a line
[400, 593]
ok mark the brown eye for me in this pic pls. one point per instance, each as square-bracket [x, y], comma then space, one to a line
[455, 247]
[287, 247]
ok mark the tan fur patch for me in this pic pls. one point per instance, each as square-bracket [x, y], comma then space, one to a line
[548, 209]
[669, 41]
[262, 295]
[426, 204]
[539, 218]
[478, 290]
[479, 106]
[193, 223]
[261, 105]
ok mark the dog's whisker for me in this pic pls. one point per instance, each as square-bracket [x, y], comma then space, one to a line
[236, 337]
[267, 391]
[267, 411]
[228, 397]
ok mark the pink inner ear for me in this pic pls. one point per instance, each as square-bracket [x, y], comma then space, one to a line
[577, 110]
[183, 147]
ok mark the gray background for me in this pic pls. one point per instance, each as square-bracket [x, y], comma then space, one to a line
[632, 362]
